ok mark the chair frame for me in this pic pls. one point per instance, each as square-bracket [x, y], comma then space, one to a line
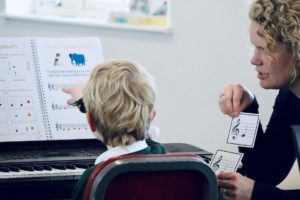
[115, 166]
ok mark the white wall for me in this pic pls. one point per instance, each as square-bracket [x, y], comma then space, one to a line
[208, 49]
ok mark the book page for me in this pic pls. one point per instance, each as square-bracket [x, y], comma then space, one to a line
[20, 111]
[65, 62]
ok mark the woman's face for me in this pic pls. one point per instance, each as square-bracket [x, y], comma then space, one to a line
[273, 72]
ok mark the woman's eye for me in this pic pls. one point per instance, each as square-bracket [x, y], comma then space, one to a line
[261, 48]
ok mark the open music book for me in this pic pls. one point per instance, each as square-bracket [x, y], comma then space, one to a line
[33, 72]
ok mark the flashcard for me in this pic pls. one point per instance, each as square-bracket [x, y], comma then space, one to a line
[243, 130]
[225, 161]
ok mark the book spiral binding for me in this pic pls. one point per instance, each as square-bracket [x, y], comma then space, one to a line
[41, 89]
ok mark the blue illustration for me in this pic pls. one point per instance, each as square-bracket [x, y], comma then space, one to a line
[77, 59]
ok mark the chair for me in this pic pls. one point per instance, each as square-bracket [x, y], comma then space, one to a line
[149, 177]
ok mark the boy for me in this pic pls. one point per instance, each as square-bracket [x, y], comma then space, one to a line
[119, 101]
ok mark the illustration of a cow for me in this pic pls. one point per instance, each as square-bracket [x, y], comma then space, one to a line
[77, 59]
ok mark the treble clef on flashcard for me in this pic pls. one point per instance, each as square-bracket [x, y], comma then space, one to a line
[216, 164]
[236, 130]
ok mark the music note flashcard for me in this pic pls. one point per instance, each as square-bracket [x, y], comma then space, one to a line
[243, 130]
[225, 161]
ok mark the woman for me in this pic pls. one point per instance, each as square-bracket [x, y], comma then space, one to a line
[275, 35]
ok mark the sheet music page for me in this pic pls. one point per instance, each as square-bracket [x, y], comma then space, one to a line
[20, 111]
[65, 62]
[243, 130]
[225, 161]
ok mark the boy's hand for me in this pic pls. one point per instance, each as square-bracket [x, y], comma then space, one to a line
[75, 92]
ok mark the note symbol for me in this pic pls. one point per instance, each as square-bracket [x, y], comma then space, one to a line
[236, 130]
[216, 164]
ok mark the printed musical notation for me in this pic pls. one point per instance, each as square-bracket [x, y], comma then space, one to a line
[1, 103]
[25, 128]
[225, 161]
[243, 130]
[68, 127]
[56, 87]
[55, 106]
[20, 102]
[18, 69]
[22, 115]
[216, 165]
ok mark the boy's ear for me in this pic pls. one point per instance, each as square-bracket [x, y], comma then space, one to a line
[153, 114]
[90, 121]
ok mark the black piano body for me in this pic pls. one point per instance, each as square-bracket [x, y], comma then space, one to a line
[44, 170]
[39, 170]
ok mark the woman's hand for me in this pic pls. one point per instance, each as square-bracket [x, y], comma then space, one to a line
[75, 92]
[234, 186]
[234, 99]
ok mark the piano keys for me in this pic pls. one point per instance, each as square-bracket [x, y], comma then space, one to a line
[43, 172]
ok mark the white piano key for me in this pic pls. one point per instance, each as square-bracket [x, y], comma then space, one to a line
[4, 175]
[44, 175]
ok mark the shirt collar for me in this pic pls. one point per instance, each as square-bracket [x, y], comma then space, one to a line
[121, 150]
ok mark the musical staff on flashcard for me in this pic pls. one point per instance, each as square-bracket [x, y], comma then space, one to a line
[68, 127]
[243, 129]
[55, 106]
[55, 87]
[225, 161]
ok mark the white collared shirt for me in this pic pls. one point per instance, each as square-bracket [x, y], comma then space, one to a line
[121, 150]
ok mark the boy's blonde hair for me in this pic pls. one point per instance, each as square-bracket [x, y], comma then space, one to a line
[120, 96]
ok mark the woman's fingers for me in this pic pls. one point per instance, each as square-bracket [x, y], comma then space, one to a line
[237, 95]
[229, 100]
[234, 99]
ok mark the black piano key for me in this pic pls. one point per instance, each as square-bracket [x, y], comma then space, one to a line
[81, 165]
[14, 169]
[37, 167]
[4, 169]
[61, 167]
[47, 167]
[70, 166]
[26, 168]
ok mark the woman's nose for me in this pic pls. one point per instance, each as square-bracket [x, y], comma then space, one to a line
[256, 60]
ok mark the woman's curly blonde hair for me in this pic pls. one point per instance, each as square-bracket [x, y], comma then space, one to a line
[279, 22]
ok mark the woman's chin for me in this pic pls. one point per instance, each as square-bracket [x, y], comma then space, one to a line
[266, 85]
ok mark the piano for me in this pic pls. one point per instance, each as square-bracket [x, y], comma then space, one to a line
[50, 171]
[44, 170]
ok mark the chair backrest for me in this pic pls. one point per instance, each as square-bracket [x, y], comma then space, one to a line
[148, 177]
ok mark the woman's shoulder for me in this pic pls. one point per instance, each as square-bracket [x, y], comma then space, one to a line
[286, 95]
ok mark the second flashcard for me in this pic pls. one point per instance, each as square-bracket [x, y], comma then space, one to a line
[243, 130]
[225, 161]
